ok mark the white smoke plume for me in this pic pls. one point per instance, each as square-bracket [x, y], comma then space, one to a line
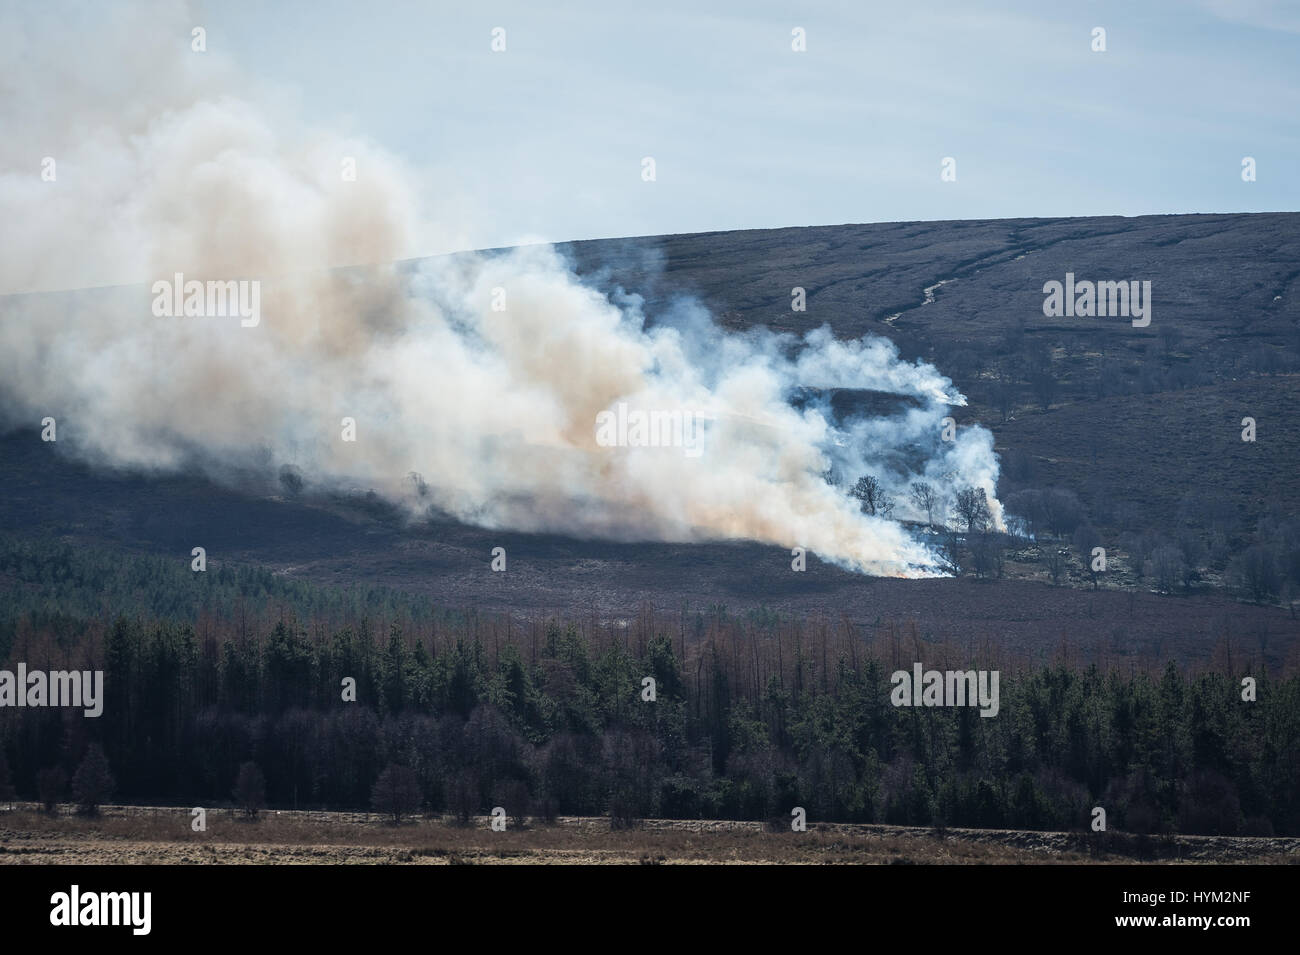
[167, 162]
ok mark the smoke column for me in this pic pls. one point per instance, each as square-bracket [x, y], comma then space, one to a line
[485, 374]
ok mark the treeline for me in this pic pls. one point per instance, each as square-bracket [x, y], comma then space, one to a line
[1205, 540]
[753, 714]
[57, 586]
[750, 718]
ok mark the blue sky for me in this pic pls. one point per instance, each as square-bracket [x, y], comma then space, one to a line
[545, 140]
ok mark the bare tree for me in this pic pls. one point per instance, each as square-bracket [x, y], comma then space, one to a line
[987, 554]
[872, 497]
[925, 498]
[1055, 559]
[952, 556]
[396, 792]
[1029, 507]
[463, 798]
[1086, 538]
[973, 509]
[513, 796]
[250, 789]
[1254, 573]
[1062, 510]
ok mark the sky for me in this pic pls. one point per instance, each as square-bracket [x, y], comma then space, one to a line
[545, 140]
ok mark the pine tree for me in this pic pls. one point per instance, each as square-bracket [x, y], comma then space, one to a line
[92, 783]
[50, 783]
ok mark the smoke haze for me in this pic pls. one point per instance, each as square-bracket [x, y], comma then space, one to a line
[483, 373]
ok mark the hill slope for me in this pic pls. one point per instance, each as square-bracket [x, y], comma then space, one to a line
[1141, 423]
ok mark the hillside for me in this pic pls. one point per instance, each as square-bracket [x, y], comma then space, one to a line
[1141, 424]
